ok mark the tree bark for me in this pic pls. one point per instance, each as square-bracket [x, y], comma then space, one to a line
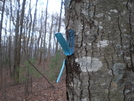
[102, 67]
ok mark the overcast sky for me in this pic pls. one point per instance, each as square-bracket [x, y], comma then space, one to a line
[53, 5]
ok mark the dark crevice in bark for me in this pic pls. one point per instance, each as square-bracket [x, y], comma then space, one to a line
[124, 89]
[72, 79]
[121, 39]
[106, 61]
[89, 86]
[120, 30]
[99, 50]
[81, 93]
[110, 85]
[108, 95]
[123, 57]
[83, 27]
[80, 88]
[86, 50]
[131, 39]
[67, 95]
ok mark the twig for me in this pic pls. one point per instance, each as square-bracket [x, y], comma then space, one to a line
[37, 69]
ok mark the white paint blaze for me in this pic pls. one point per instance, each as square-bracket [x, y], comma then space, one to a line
[114, 10]
[88, 64]
[102, 43]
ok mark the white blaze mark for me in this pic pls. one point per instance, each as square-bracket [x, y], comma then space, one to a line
[89, 64]
[102, 43]
[114, 10]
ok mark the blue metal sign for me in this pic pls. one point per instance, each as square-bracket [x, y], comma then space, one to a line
[68, 47]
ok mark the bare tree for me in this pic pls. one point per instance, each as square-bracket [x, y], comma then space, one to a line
[40, 40]
[33, 30]
[45, 26]
[59, 24]
[18, 34]
[1, 22]
[29, 25]
[50, 37]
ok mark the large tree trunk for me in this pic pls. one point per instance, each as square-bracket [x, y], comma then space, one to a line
[102, 67]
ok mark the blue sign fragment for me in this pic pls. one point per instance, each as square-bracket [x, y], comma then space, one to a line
[68, 47]
[61, 71]
[63, 44]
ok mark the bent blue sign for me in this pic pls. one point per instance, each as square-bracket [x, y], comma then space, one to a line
[67, 46]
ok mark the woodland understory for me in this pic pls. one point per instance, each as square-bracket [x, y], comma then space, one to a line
[30, 57]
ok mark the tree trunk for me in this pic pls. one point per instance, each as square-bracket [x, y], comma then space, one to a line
[29, 30]
[50, 38]
[102, 67]
[40, 40]
[59, 25]
[18, 34]
[16, 60]
[1, 22]
[45, 29]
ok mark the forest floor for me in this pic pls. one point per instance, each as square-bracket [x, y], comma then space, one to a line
[40, 91]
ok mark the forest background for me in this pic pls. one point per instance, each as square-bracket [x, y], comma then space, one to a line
[28, 48]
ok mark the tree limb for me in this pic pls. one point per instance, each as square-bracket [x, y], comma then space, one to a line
[37, 69]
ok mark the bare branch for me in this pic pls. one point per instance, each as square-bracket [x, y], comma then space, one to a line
[37, 69]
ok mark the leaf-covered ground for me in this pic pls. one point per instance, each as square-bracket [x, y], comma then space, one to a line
[39, 90]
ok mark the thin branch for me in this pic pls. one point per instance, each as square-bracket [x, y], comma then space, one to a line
[37, 69]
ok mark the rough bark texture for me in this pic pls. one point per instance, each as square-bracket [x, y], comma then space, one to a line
[102, 67]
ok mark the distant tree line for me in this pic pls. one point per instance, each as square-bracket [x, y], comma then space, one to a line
[25, 27]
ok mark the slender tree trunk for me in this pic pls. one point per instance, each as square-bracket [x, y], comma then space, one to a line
[20, 37]
[41, 51]
[59, 24]
[50, 36]
[45, 27]
[18, 34]
[1, 22]
[33, 29]
[55, 30]
[39, 41]
[16, 62]
[39, 46]
[102, 67]
[9, 54]
[10, 41]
